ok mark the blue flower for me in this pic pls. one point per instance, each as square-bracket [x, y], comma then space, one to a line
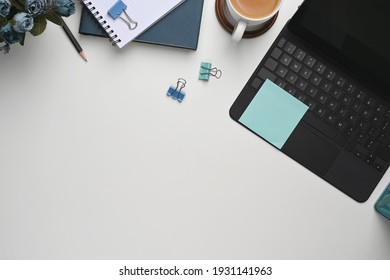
[66, 7]
[9, 35]
[35, 7]
[5, 6]
[23, 22]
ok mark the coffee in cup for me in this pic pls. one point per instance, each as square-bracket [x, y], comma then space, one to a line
[255, 8]
[249, 15]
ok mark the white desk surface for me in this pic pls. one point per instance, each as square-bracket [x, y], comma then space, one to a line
[96, 162]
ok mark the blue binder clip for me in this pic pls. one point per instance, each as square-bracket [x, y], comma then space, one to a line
[177, 93]
[206, 71]
[117, 9]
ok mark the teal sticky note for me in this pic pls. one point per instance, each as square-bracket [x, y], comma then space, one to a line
[273, 114]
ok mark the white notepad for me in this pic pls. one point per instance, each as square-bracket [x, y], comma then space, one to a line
[144, 12]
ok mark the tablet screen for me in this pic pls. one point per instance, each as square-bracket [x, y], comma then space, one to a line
[354, 32]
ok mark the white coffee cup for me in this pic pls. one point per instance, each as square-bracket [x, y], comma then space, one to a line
[244, 23]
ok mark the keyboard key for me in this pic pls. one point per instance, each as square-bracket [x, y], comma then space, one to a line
[336, 93]
[309, 61]
[368, 160]
[291, 77]
[360, 138]
[295, 66]
[378, 167]
[326, 86]
[281, 71]
[265, 74]
[382, 138]
[366, 113]
[342, 112]
[315, 79]
[332, 105]
[356, 107]
[276, 53]
[350, 88]
[305, 73]
[341, 125]
[362, 125]
[281, 42]
[285, 59]
[331, 119]
[371, 131]
[320, 112]
[351, 132]
[376, 120]
[299, 54]
[387, 114]
[380, 108]
[358, 154]
[311, 91]
[322, 98]
[256, 83]
[360, 95]
[319, 68]
[301, 85]
[369, 102]
[346, 100]
[271, 64]
[290, 48]
[370, 156]
[340, 81]
[385, 126]
[370, 144]
[329, 74]
[352, 119]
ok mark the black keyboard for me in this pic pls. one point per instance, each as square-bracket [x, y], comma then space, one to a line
[345, 113]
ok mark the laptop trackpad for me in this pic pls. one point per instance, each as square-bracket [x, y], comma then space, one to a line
[310, 150]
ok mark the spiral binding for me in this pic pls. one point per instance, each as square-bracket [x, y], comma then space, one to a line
[113, 37]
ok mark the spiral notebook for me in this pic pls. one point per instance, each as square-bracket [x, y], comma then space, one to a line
[180, 28]
[145, 13]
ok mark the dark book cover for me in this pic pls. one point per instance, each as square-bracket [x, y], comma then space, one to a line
[180, 28]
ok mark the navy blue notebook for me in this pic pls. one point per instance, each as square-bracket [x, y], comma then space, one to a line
[180, 28]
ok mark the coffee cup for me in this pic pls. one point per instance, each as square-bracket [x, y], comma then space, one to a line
[249, 15]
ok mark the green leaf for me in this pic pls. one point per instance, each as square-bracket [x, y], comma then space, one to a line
[22, 41]
[40, 23]
[54, 18]
[3, 21]
[17, 4]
